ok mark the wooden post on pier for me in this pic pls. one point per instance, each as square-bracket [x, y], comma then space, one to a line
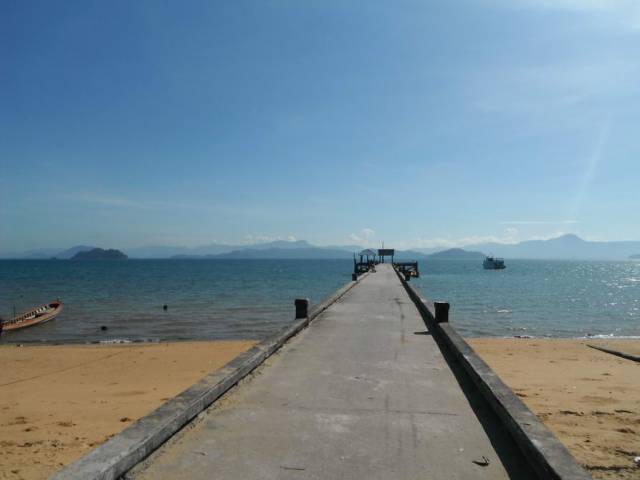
[442, 311]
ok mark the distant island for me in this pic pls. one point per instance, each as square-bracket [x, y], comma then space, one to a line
[100, 254]
[635, 257]
[456, 254]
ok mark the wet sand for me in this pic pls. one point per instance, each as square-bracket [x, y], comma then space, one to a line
[59, 402]
[589, 399]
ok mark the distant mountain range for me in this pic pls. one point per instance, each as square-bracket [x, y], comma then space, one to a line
[287, 253]
[296, 250]
[215, 249]
[564, 247]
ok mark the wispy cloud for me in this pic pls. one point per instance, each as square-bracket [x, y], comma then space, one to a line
[556, 234]
[251, 239]
[364, 237]
[108, 200]
[592, 165]
[625, 13]
[119, 201]
[538, 89]
[622, 7]
[510, 237]
[539, 222]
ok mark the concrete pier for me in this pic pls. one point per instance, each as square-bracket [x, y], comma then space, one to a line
[364, 392]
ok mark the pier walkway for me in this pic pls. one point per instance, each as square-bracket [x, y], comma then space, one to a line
[364, 392]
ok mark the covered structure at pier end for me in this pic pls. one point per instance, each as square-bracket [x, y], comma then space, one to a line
[367, 256]
[386, 252]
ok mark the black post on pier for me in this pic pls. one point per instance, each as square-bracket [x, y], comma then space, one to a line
[354, 275]
[442, 311]
[302, 307]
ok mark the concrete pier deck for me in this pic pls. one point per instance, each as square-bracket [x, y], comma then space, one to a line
[364, 392]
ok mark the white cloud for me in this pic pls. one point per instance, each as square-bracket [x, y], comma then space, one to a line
[540, 222]
[251, 239]
[511, 236]
[512, 233]
[448, 242]
[363, 238]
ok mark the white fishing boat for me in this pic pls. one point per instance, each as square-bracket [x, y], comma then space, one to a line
[493, 263]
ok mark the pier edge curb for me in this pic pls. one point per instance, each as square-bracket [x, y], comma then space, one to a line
[617, 353]
[546, 454]
[126, 449]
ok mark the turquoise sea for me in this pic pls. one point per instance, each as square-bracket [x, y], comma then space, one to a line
[228, 299]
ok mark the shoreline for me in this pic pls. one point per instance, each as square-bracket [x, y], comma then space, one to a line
[57, 402]
[5, 343]
[115, 342]
[588, 398]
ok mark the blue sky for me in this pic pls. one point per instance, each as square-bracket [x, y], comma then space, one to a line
[418, 123]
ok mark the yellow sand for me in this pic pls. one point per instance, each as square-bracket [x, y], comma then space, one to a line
[589, 399]
[59, 402]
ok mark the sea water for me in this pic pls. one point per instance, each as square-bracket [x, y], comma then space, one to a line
[206, 299]
[538, 298]
[250, 299]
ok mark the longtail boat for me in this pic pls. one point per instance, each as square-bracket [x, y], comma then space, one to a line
[36, 316]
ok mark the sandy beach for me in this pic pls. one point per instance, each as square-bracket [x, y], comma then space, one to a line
[59, 402]
[589, 399]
